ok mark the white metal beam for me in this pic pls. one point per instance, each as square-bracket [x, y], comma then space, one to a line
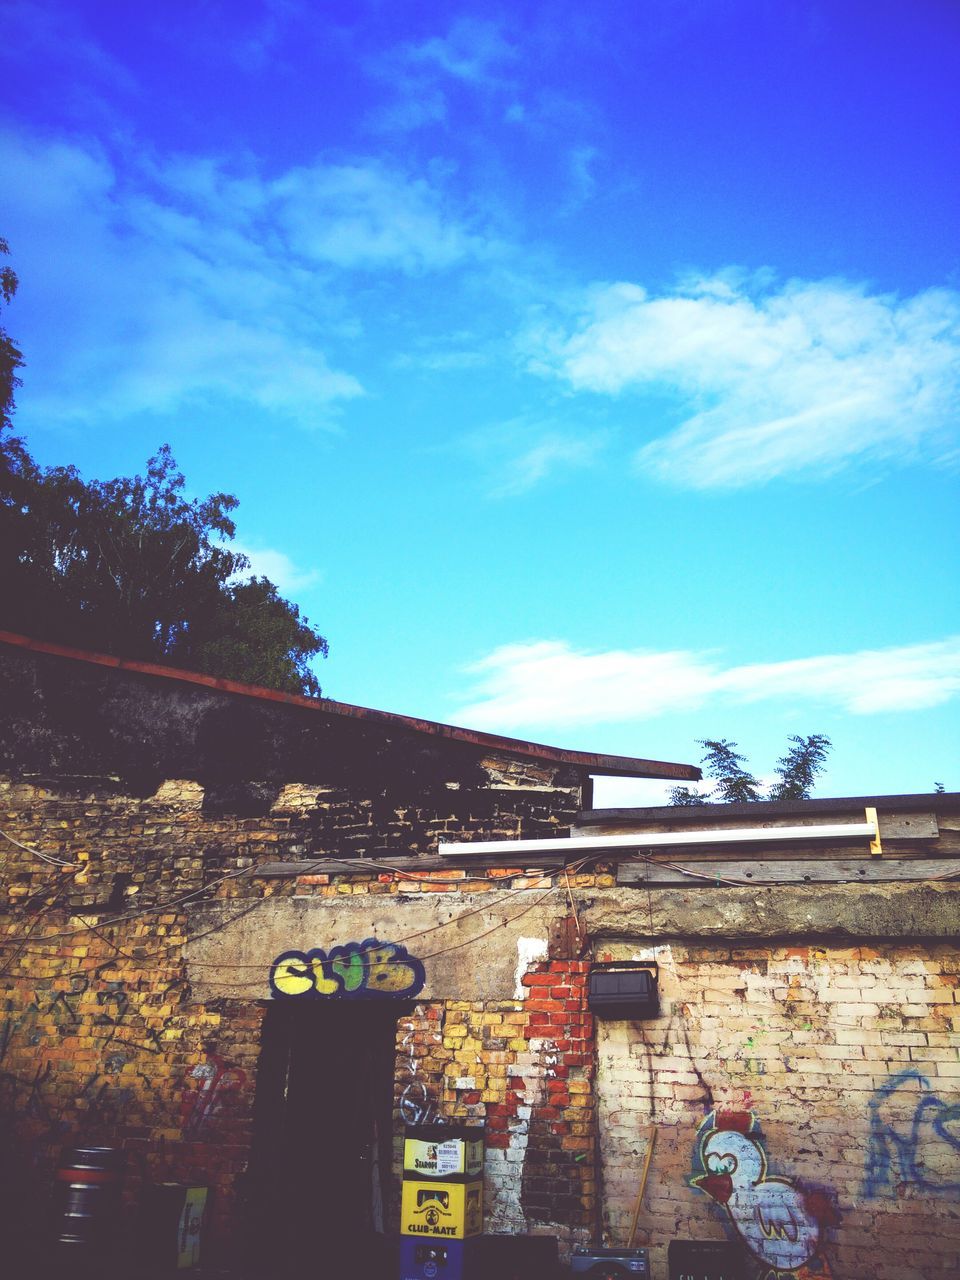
[660, 840]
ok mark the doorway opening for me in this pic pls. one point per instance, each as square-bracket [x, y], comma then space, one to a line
[322, 1137]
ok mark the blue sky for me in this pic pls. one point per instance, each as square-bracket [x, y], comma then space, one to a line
[586, 373]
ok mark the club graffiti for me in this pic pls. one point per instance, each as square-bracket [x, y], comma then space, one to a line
[914, 1138]
[355, 970]
[781, 1223]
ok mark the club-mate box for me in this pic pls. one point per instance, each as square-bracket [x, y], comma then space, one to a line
[441, 1210]
[453, 1152]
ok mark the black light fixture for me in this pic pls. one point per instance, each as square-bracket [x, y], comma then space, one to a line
[624, 989]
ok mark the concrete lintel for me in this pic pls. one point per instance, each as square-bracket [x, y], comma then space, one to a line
[837, 911]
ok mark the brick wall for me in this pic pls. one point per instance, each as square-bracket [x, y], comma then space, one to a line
[838, 1065]
[844, 1066]
[524, 1070]
[101, 1039]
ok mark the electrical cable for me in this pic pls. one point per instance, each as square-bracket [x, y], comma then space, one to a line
[44, 857]
[459, 946]
[307, 870]
[258, 902]
[365, 864]
[5, 972]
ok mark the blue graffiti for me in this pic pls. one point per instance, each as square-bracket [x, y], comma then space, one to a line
[922, 1150]
[358, 969]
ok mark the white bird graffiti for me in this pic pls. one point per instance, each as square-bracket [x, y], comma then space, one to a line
[780, 1224]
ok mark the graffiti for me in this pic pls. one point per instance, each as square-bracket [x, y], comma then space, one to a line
[116, 1013]
[914, 1138]
[107, 1102]
[780, 1222]
[357, 970]
[217, 1081]
[35, 1104]
[115, 1016]
[25, 1025]
[415, 1103]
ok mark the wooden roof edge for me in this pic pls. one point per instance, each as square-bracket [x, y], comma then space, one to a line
[588, 762]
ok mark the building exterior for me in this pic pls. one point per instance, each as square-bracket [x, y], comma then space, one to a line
[237, 942]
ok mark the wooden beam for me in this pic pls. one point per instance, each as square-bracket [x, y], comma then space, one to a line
[713, 872]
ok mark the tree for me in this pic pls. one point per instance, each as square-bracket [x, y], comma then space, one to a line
[132, 567]
[11, 358]
[797, 770]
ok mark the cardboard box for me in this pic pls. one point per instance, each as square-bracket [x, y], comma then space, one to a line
[447, 1151]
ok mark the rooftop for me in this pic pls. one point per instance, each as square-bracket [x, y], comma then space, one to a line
[589, 762]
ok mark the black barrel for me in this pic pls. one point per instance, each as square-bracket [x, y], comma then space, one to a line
[87, 1188]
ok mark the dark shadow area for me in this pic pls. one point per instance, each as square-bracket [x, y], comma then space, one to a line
[320, 1160]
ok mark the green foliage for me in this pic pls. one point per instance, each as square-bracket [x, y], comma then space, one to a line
[797, 771]
[132, 567]
[11, 358]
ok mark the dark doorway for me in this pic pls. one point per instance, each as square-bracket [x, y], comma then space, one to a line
[322, 1140]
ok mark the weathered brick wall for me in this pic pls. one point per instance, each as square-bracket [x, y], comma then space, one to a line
[840, 1063]
[101, 1039]
[845, 1062]
[842, 1066]
[524, 1070]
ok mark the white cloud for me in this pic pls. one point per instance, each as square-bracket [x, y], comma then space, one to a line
[583, 181]
[362, 215]
[470, 51]
[266, 562]
[533, 464]
[547, 683]
[158, 283]
[801, 378]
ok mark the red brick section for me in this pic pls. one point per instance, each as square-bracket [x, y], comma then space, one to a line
[559, 1184]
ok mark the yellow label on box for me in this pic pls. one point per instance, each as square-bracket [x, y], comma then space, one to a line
[188, 1228]
[443, 1159]
[446, 1209]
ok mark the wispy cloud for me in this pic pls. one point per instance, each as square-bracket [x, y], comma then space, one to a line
[471, 55]
[55, 35]
[177, 279]
[472, 50]
[548, 683]
[800, 378]
[542, 458]
[365, 215]
[517, 455]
